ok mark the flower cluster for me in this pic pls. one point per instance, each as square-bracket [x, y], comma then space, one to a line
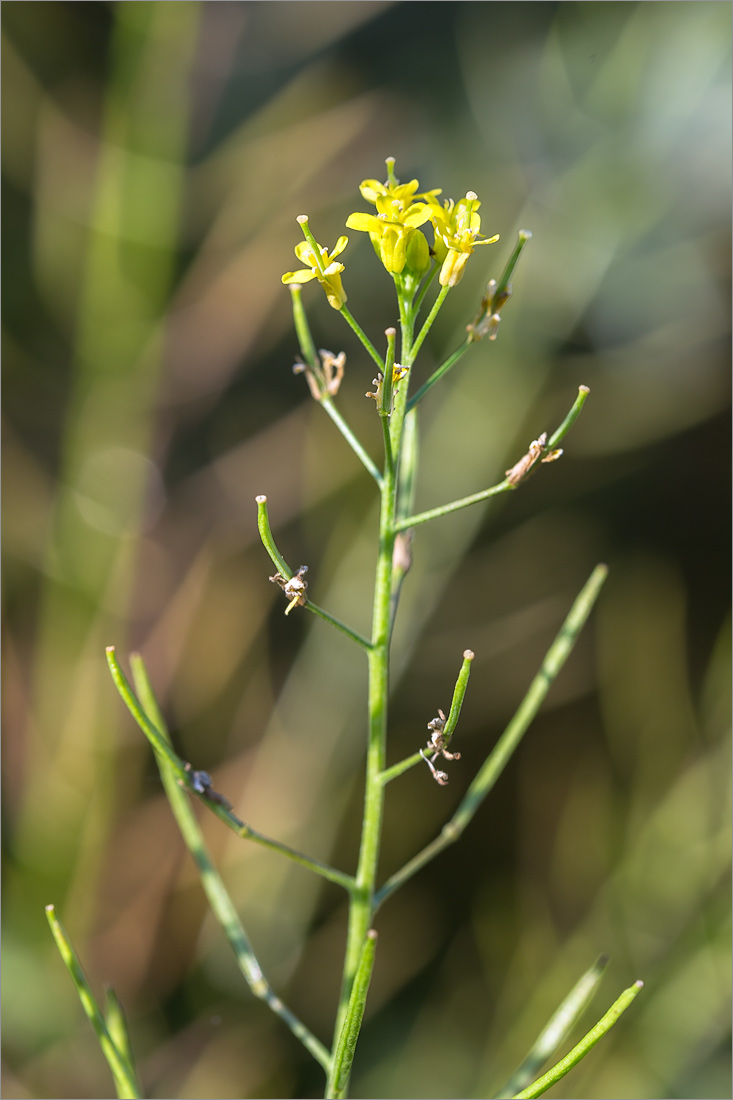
[393, 229]
[395, 232]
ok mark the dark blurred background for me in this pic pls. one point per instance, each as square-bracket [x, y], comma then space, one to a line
[155, 156]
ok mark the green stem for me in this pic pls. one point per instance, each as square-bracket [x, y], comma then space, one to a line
[302, 328]
[604, 1025]
[263, 524]
[569, 420]
[343, 1055]
[454, 506]
[504, 486]
[351, 439]
[450, 724]
[427, 282]
[502, 286]
[360, 640]
[118, 1030]
[216, 893]
[555, 658]
[362, 898]
[556, 1029]
[427, 325]
[441, 371]
[165, 753]
[364, 339]
[126, 1082]
[500, 294]
[407, 322]
[317, 382]
[388, 454]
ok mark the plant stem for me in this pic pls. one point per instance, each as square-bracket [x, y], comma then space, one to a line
[556, 1029]
[455, 505]
[555, 658]
[361, 907]
[451, 722]
[263, 523]
[504, 486]
[365, 341]
[165, 753]
[570, 419]
[343, 1054]
[350, 438]
[604, 1025]
[315, 375]
[362, 898]
[439, 373]
[215, 890]
[117, 1027]
[428, 324]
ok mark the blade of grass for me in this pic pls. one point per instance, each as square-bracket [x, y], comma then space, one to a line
[126, 1082]
[556, 1029]
[117, 1026]
[604, 1025]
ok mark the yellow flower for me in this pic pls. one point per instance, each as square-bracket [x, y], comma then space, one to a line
[398, 217]
[457, 227]
[320, 264]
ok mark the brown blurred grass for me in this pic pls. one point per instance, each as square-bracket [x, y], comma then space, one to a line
[154, 160]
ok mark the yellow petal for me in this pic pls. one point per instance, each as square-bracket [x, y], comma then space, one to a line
[298, 277]
[365, 223]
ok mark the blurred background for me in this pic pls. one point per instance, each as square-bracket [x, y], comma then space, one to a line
[155, 157]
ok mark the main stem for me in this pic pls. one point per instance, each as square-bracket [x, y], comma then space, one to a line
[362, 897]
[361, 908]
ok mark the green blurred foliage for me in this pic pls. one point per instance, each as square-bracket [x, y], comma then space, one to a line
[155, 157]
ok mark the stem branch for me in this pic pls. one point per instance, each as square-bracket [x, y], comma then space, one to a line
[263, 524]
[216, 893]
[177, 767]
[555, 658]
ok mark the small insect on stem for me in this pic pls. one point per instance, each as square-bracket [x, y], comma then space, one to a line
[201, 783]
[294, 588]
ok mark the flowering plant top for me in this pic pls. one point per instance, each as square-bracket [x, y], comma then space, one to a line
[395, 230]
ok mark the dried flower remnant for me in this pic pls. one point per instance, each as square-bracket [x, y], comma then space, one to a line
[438, 740]
[398, 373]
[324, 382]
[438, 776]
[294, 588]
[438, 743]
[486, 321]
[520, 469]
